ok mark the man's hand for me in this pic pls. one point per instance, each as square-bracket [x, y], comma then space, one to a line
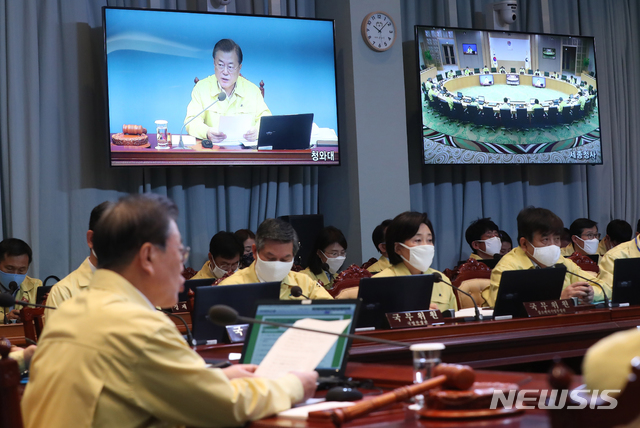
[240, 370]
[251, 135]
[28, 353]
[433, 306]
[308, 380]
[215, 136]
[582, 290]
[14, 315]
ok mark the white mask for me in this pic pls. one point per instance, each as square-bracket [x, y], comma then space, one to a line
[272, 271]
[335, 263]
[547, 256]
[590, 246]
[217, 271]
[420, 257]
[492, 245]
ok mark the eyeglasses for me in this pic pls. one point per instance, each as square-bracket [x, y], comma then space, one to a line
[184, 252]
[334, 254]
[591, 236]
[228, 267]
[230, 67]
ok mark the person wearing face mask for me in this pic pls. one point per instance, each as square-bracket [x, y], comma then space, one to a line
[539, 247]
[410, 245]
[15, 258]
[378, 241]
[585, 239]
[483, 236]
[276, 246]
[248, 238]
[625, 250]
[330, 254]
[618, 231]
[224, 256]
[80, 278]
[507, 243]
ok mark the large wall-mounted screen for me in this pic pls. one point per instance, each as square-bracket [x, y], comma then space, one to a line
[267, 97]
[515, 102]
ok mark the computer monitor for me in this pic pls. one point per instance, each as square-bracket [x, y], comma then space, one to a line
[626, 281]
[261, 338]
[531, 285]
[392, 294]
[459, 94]
[192, 284]
[242, 298]
[532, 100]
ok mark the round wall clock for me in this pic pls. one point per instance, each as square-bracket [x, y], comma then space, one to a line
[378, 31]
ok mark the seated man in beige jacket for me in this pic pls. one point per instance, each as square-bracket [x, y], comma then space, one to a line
[108, 358]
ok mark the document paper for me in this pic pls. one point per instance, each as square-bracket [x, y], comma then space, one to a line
[234, 127]
[298, 350]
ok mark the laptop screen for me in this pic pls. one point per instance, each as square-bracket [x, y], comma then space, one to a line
[626, 281]
[261, 338]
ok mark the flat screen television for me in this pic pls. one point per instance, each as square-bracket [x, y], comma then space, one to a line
[469, 49]
[161, 73]
[513, 79]
[568, 135]
[549, 53]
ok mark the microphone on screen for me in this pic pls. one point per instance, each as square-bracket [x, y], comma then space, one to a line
[221, 97]
[224, 315]
[297, 292]
[607, 302]
[438, 278]
[7, 300]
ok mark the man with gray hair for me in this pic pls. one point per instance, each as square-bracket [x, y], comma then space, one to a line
[274, 250]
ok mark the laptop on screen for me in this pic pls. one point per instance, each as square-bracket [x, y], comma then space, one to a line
[530, 285]
[626, 281]
[260, 338]
[241, 297]
[285, 132]
[392, 294]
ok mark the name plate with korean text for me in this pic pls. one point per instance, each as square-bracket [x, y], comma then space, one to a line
[237, 332]
[180, 307]
[550, 307]
[414, 318]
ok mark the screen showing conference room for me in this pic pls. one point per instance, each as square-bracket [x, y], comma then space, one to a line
[154, 58]
[524, 98]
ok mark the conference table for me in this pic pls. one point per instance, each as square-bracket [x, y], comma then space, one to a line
[488, 344]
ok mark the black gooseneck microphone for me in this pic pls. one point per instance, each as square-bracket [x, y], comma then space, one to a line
[438, 278]
[607, 302]
[190, 340]
[221, 97]
[297, 292]
[7, 300]
[225, 315]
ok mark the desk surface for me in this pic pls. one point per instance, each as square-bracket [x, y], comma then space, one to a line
[399, 416]
[489, 343]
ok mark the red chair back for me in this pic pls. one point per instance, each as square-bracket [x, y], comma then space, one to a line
[10, 416]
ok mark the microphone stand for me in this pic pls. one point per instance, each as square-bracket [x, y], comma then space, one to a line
[478, 317]
[607, 302]
[221, 97]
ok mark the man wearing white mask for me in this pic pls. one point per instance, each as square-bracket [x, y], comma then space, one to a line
[330, 254]
[15, 258]
[585, 239]
[80, 278]
[483, 236]
[225, 251]
[274, 250]
[539, 247]
[410, 245]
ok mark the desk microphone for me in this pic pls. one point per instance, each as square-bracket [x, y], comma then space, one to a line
[607, 302]
[297, 292]
[221, 97]
[438, 278]
[7, 300]
[225, 315]
[190, 340]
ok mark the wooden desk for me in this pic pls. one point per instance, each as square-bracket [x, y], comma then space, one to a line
[489, 343]
[386, 376]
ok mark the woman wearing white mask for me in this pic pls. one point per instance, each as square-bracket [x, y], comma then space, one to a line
[410, 246]
[330, 253]
[539, 233]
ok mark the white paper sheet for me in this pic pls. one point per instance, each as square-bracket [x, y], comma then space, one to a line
[298, 350]
[302, 412]
[234, 127]
[470, 312]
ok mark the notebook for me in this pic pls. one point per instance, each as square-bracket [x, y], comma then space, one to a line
[530, 285]
[285, 132]
[392, 294]
[626, 281]
[261, 338]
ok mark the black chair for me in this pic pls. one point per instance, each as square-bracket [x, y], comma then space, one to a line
[439, 77]
[458, 111]
[576, 113]
[538, 117]
[530, 71]
[552, 115]
[488, 118]
[472, 114]
[476, 70]
[564, 77]
[506, 118]
[566, 115]
[546, 74]
[522, 119]
[513, 70]
[458, 73]
[443, 107]
[591, 73]
[493, 69]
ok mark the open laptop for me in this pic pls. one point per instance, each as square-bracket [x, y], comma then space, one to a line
[242, 298]
[626, 281]
[261, 338]
[529, 285]
[392, 294]
[192, 284]
[285, 132]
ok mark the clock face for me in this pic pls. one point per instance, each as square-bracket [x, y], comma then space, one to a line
[378, 31]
